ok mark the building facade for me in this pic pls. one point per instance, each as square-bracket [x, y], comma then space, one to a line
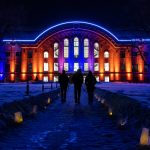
[72, 45]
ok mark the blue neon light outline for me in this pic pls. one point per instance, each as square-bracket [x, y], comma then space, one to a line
[81, 22]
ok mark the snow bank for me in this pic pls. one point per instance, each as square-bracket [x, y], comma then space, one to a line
[139, 92]
[16, 91]
[25, 106]
[125, 107]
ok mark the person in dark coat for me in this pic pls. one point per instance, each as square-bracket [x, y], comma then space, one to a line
[63, 80]
[90, 82]
[77, 80]
[36, 79]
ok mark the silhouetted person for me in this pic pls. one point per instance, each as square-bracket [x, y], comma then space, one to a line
[36, 79]
[90, 82]
[63, 80]
[77, 80]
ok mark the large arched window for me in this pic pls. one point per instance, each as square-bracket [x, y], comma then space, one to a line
[56, 50]
[106, 54]
[76, 47]
[45, 54]
[86, 48]
[66, 48]
[96, 50]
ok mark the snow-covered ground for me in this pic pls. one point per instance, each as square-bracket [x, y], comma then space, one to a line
[17, 91]
[140, 92]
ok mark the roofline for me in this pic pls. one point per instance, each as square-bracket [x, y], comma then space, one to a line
[81, 22]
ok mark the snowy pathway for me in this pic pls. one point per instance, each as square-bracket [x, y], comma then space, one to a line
[71, 126]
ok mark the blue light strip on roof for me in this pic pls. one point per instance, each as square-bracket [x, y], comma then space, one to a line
[81, 22]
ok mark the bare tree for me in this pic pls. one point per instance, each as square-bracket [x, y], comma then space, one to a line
[12, 18]
[136, 16]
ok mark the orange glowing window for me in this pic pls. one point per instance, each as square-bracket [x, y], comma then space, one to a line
[45, 54]
[106, 79]
[45, 78]
[106, 54]
[106, 66]
[45, 66]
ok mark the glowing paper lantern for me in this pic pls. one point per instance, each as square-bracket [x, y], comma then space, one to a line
[144, 136]
[48, 101]
[18, 117]
[123, 122]
[34, 109]
[110, 111]
[99, 99]
[102, 101]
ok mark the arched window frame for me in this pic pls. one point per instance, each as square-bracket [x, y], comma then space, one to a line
[46, 54]
[66, 49]
[106, 54]
[96, 50]
[86, 48]
[56, 50]
[76, 48]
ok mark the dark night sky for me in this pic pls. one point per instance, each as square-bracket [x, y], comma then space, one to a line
[47, 12]
[113, 15]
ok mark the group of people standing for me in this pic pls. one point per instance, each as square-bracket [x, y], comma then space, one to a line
[77, 80]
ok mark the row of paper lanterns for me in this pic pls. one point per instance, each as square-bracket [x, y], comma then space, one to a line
[18, 115]
[144, 139]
